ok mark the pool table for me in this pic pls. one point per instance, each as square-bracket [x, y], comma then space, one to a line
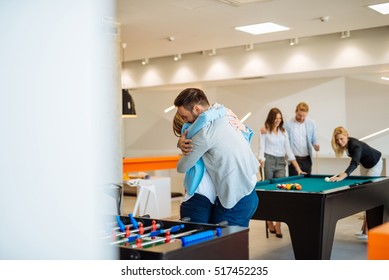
[312, 212]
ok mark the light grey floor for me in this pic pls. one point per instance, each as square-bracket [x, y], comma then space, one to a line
[346, 246]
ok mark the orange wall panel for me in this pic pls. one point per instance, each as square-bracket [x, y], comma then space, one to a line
[149, 163]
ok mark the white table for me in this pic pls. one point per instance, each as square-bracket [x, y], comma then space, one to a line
[153, 198]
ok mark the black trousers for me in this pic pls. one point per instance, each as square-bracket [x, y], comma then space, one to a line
[305, 164]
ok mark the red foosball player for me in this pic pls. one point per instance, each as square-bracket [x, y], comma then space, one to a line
[128, 232]
[154, 225]
[138, 242]
[141, 229]
[167, 237]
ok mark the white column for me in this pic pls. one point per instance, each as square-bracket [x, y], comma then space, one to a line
[59, 121]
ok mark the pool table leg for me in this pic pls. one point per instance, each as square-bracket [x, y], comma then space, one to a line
[375, 217]
[311, 243]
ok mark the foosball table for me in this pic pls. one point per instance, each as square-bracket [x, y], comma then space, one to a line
[152, 239]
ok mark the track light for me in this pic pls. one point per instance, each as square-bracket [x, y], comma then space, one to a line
[210, 52]
[249, 47]
[293, 41]
[345, 34]
[145, 61]
[177, 57]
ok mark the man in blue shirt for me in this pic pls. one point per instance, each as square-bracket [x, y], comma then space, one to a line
[302, 138]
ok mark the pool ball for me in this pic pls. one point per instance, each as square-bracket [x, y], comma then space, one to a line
[327, 179]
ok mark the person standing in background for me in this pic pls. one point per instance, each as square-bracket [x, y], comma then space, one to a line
[302, 137]
[274, 151]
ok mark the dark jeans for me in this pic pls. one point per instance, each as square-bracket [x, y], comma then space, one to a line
[198, 208]
[305, 164]
[240, 214]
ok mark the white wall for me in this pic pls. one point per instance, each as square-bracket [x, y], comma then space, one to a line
[59, 120]
[334, 99]
[358, 105]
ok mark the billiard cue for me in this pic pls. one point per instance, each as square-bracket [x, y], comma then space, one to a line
[262, 173]
[317, 162]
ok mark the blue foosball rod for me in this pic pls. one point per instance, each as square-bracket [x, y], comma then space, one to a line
[188, 238]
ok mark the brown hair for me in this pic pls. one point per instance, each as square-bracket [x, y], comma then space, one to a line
[271, 117]
[190, 97]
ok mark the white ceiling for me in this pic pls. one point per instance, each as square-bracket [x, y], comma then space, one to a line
[200, 25]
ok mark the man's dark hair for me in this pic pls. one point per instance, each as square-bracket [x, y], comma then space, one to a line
[190, 97]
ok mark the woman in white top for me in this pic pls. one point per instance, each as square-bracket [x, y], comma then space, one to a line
[274, 151]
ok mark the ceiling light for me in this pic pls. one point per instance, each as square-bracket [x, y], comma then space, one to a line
[374, 134]
[345, 34]
[262, 28]
[145, 61]
[249, 47]
[382, 8]
[169, 109]
[294, 41]
[177, 57]
[236, 3]
[210, 52]
[245, 117]
[385, 78]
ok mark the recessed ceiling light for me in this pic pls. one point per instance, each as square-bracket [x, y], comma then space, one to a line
[262, 28]
[382, 8]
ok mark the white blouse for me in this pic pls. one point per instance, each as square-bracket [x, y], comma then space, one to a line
[275, 144]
